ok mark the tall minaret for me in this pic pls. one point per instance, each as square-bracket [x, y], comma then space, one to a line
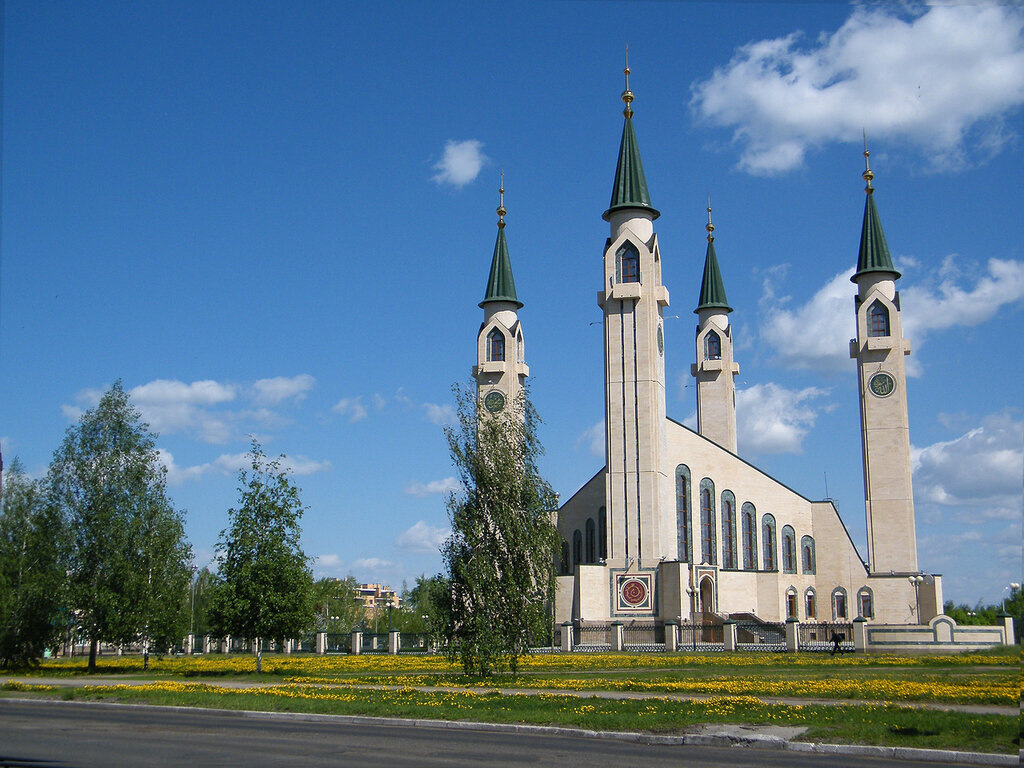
[882, 378]
[715, 370]
[633, 299]
[501, 368]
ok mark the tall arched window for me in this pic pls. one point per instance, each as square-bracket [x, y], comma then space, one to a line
[707, 522]
[627, 264]
[865, 603]
[728, 530]
[878, 319]
[683, 546]
[788, 549]
[602, 534]
[591, 541]
[496, 346]
[577, 547]
[791, 603]
[748, 516]
[810, 603]
[807, 554]
[839, 603]
[712, 346]
[519, 347]
[768, 539]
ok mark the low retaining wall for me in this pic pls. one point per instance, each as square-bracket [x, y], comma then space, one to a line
[940, 635]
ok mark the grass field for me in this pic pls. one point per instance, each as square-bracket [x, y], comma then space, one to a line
[874, 696]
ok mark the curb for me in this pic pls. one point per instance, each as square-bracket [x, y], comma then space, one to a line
[751, 741]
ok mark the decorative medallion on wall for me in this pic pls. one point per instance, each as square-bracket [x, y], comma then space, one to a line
[494, 401]
[882, 384]
[635, 593]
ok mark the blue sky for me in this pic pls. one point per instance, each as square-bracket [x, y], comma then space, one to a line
[277, 219]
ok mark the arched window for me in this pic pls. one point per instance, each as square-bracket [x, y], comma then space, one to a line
[627, 264]
[807, 553]
[602, 534]
[839, 603]
[577, 547]
[748, 516]
[712, 346]
[707, 522]
[683, 546]
[878, 319]
[791, 603]
[563, 566]
[496, 346]
[865, 603]
[728, 530]
[768, 539]
[788, 549]
[591, 541]
[519, 347]
[810, 603]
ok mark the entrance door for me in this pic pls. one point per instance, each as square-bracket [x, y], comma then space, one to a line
[707, 595]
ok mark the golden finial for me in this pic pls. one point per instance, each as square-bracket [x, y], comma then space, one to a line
[710, 227]
[501, 201]
[867, 175]
[627, 95]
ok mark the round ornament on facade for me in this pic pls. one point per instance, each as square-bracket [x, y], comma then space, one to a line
[494, 401]
[634, 592]
[882, 384]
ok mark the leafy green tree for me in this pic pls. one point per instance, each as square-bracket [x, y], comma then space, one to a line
[128, 552]
[266, 586]
[428, 607]
[337, 608]
[33, 557]
[203, 584]
[500, 555]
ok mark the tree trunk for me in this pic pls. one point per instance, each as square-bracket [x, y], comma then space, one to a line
[93, 648]
[258, 647]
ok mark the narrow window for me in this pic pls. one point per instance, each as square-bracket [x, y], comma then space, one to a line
[749, 527]
[683, 513]
[768, 537]
[839, 603]
[496, 346]
[807, 553]
[707, 522]
[564, 564]
[811, 608]
[788, 550]
[712, 346]
[519, 347]
[866, 608]
[628, 263]
[791, 605]
[591, 541]
[878, 319]
[728, 530]
[602, 534]
[577, 547]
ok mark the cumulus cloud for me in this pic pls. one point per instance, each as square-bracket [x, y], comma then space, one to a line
[944, 78]
[461, 162]
[593, 438]
[422, 538]
[372, 564]
[352, 407]
[281, 388]
[231, 463]
[773, 419]
[445, 486]
[439, 414]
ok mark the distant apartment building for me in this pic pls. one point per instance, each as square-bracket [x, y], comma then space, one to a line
[377, 596]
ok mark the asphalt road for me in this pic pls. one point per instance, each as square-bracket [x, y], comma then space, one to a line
[83, 735]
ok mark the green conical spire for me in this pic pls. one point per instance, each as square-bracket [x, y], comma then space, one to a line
[630, 189]
[874, 253]
[500, 284]
[712, 289]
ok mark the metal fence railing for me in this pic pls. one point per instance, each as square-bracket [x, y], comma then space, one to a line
[643, 636]
[591, 636]
[760, 636]
[821, 636]
[705, 636]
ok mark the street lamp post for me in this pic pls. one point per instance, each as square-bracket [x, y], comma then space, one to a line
[916, 581]
[192, 609]
[692, 593]
[1013, 586]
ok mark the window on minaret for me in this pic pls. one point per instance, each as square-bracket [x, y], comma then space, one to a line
[591, 541]
[707, 523]
[788, 550]
[496, 346]
[683, 513]
[728, 530]
[768, 539]
[807, 553]
[627, 264]
[878, 319]
[519, 348]
[602, 534]
[749, 528]
[712, 346]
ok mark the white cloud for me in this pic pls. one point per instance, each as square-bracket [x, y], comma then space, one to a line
[280, 388]
[461, 163]
[448, 485]
[593, 438]
[352, 407]
[231, 463]
[439, 414]
[372, 564]
[943, 78]
[773, 419]
[982, 469]
[422, 538]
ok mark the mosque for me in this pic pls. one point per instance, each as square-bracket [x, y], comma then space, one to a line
[678, 526]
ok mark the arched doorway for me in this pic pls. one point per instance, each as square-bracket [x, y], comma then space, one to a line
[707, 596]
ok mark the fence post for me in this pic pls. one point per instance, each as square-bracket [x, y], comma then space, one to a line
[206, 644]
[671, 636]
[321, 643]
[860, 634]
[567, 636]
[792, 634]
[394, 641]
[357, 642]
[288, 646]
[729, 634]
[1009, 638]
[226, 645]
[616, 635]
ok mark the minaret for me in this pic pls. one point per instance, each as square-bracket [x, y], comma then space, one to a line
[882, 378]
[501, 368]
[715, 370]
[633, 300]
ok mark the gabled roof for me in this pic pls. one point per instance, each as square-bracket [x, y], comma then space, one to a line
[712, 289]
[630, 188]
[874, 253]
[500, 284]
